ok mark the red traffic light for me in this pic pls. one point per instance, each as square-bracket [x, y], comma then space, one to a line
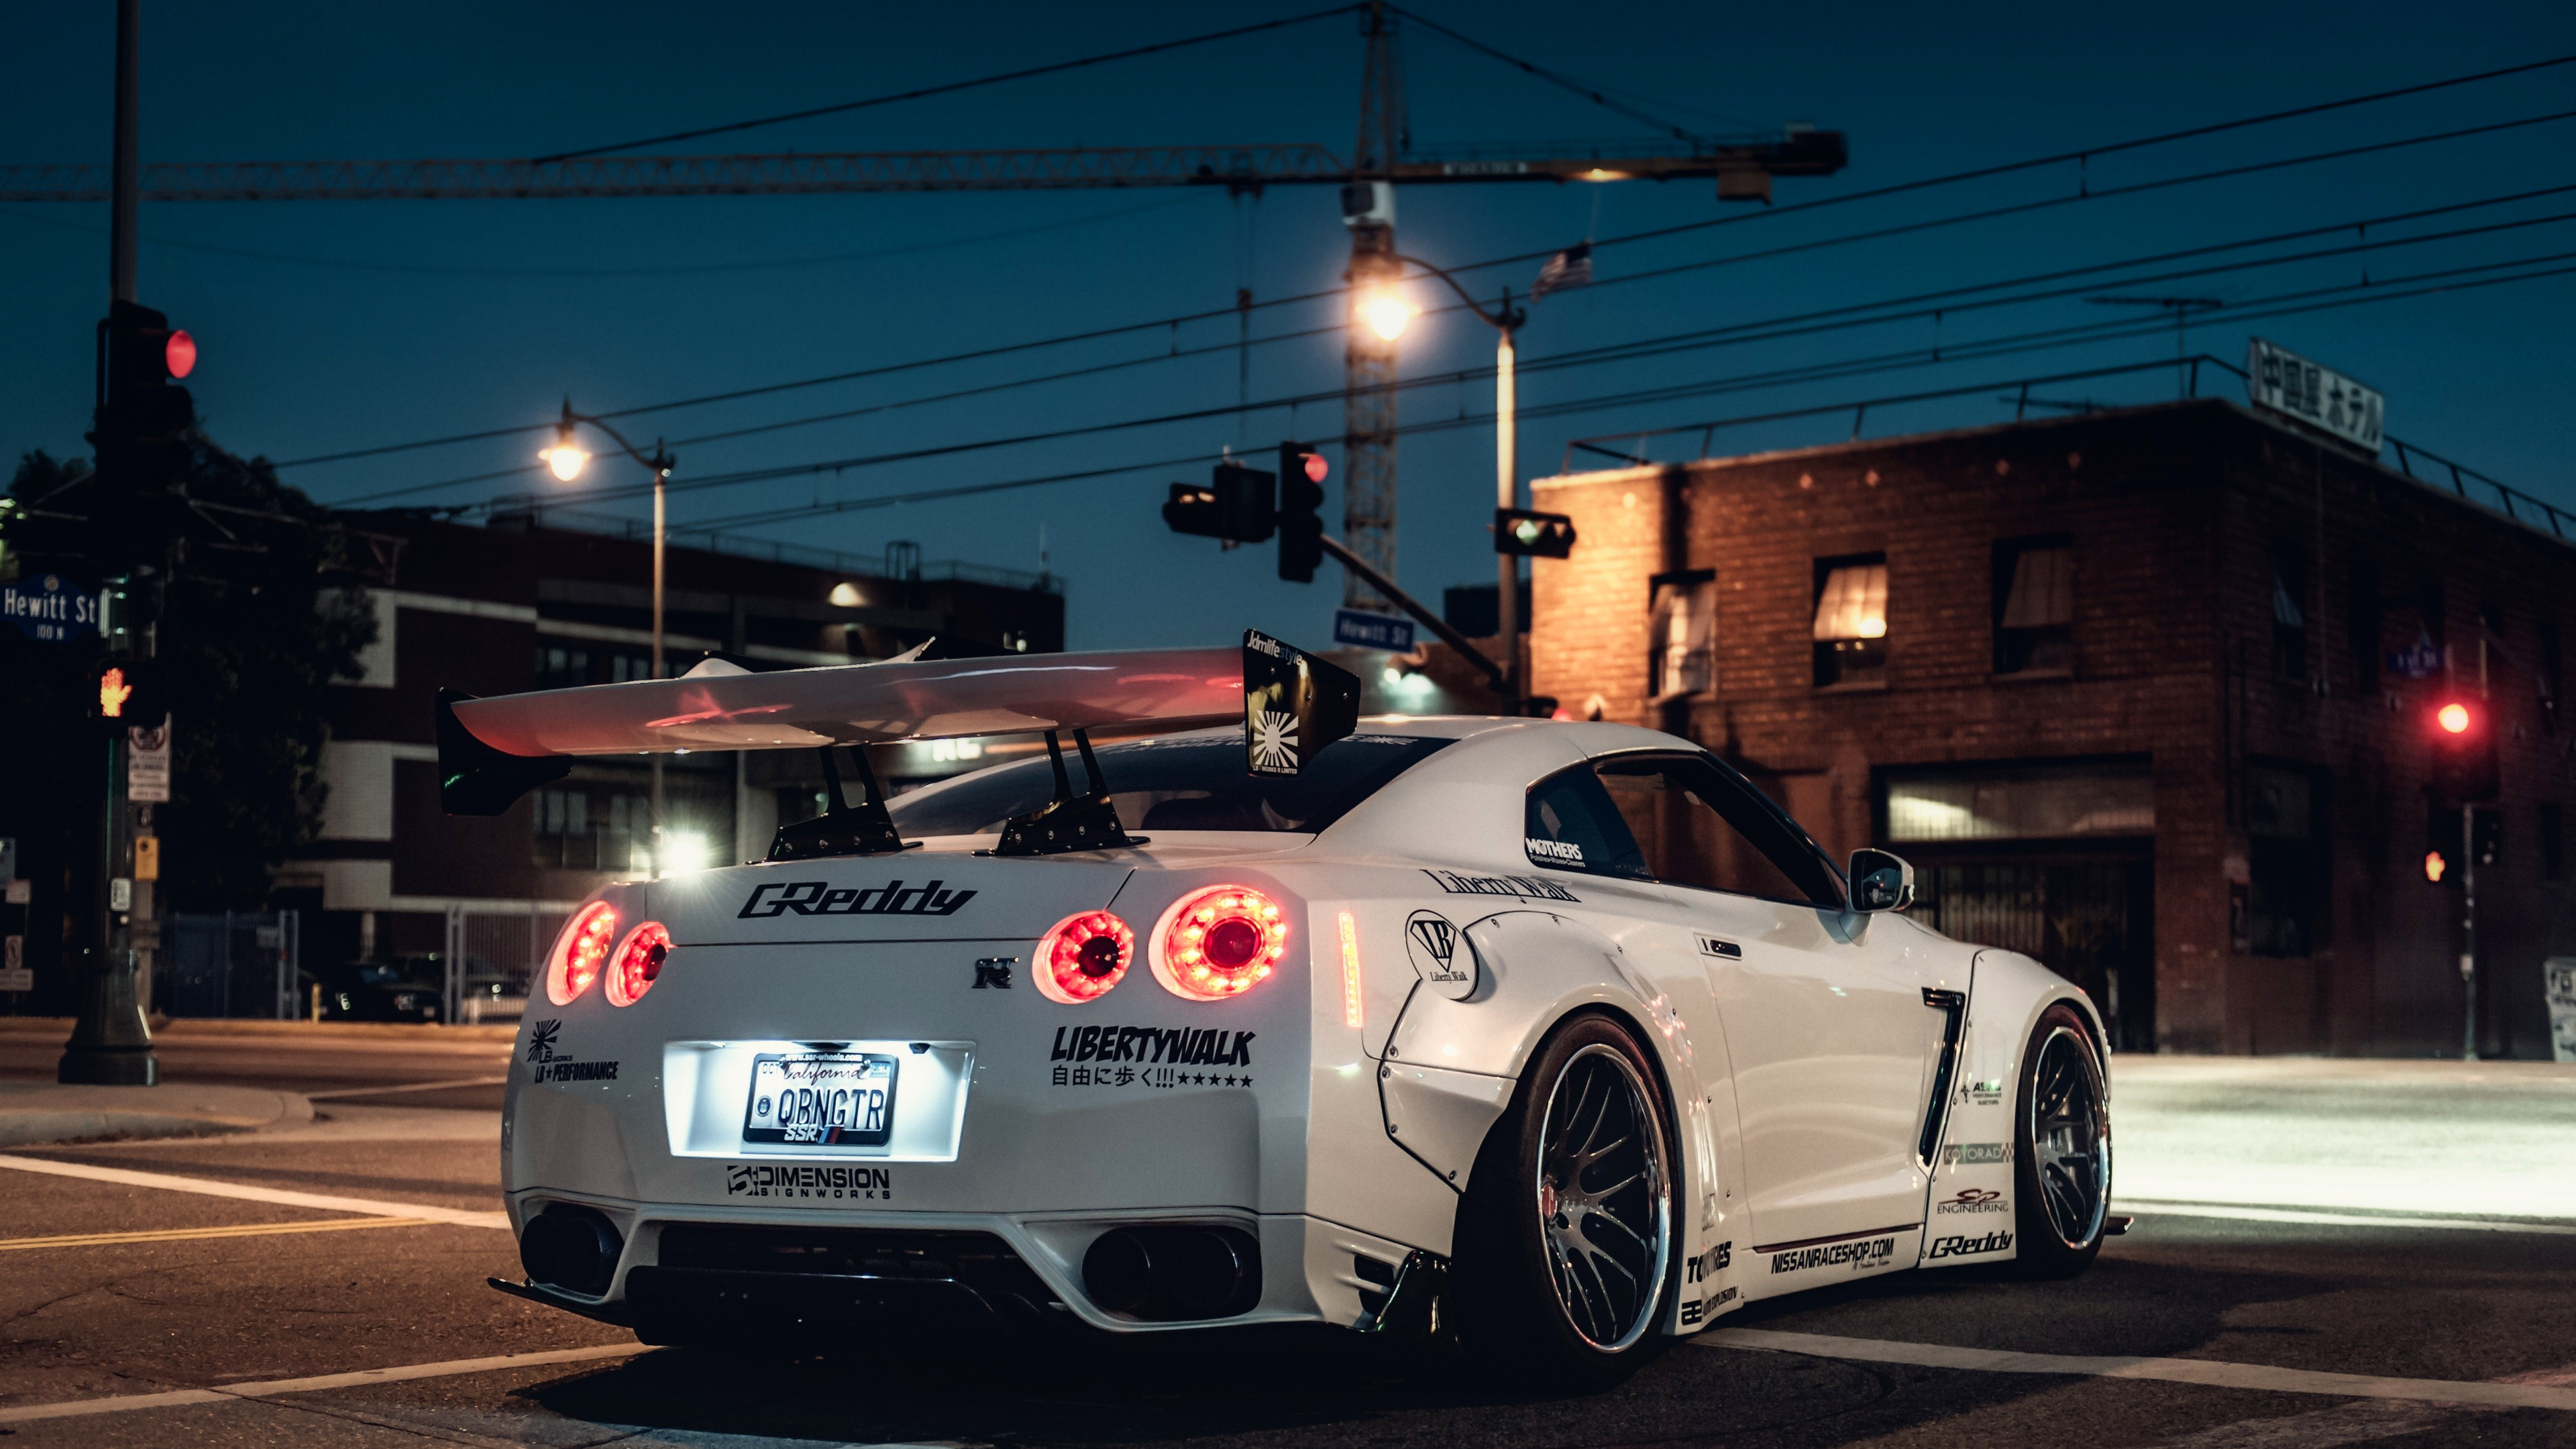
[180, 354]
[1316, 468]
[2434, 865]
[2453, 717]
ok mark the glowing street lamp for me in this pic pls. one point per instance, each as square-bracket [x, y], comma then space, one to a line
[1386, 313]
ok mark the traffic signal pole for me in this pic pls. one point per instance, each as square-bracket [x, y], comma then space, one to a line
[2469, 933]
[1507, 566]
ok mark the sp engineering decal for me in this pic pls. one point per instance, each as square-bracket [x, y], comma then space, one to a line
[1859, 1255]
[1518, 886]
[545, 1065]
[809, 1181]
[1959, 1247]
[1440, 955]
[822, 898]
[1974, 1200]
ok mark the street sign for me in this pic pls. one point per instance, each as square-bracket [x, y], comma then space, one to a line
[49, 607]
[1373, 631]
[2280, 381]
[2419, 660]
[147, 857]
[147, 764]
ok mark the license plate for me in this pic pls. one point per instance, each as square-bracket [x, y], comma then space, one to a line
[821, 1100]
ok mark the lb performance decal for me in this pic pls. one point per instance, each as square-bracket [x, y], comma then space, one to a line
[1960, 1247]
[1974, 1200]
[544, 1065]
[1860, 1255]
[1520, 886]
[810, 1181]
[822, 898]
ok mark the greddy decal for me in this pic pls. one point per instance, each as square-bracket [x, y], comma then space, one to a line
[1862, 1254]
[1500, 885]
[1957, 1247]
[822, 898]
[1974, 1200]
[1976, 1154]
[1432, 944]
[545, 1066]
[809, 1180]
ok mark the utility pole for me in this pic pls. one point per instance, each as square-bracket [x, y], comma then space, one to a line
[111, 1043]
[1368, 359]
[2469, 932]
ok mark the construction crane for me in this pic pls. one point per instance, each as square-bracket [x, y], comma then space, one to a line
[1382, 161]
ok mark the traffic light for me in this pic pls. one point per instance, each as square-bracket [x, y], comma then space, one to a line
[1302, 471]
[1235, 506]
[2464, 752]
[144, 417]
[1531, 534]
[127, 692]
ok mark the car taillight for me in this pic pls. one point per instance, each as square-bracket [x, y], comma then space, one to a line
[1220, 942]
[1083, 957]
[580, 952]
[638, 962]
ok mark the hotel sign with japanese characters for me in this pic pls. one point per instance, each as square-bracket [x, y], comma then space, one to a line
[2280, 381]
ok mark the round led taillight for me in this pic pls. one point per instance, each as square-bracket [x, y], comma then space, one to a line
[1219, 942]
[580, 952]
[1083, 957]
[638, 961]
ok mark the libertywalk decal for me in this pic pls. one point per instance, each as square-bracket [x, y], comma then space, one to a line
[1520, 886]
[809, 1181]
[822, 898]
[546, 1065]
[1431, 943]
[1148, 1056]
[1858, 1255]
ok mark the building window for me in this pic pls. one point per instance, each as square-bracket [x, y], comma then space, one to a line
[562, 668]
[2545, 679]
[1851, 620]
[2035, 606]
[2020, 802]
[623, 667]
[2289, 610]
[1683, 635]
[2364, 616]
[2287, 858]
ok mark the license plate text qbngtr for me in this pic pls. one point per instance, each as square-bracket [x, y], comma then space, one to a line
[821, 1100]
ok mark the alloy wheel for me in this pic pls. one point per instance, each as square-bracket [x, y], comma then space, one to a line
[1601, 1199]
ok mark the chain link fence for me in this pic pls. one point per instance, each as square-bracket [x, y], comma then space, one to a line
[233, 964]
[493, 955]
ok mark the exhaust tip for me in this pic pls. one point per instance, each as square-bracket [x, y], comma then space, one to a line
[1174, 1274]
[572, 1248]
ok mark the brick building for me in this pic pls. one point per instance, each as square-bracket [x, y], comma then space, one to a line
[519, 606]
[2145, 693]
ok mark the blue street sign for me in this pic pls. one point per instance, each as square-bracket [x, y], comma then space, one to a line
[50, 608]
[1373, 631]
[2421, 660]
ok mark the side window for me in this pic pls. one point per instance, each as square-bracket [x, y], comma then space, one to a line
[1574, 826]
[1697, 825]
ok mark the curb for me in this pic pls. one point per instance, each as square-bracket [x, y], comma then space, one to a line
[250, 1110]
[188, 1028]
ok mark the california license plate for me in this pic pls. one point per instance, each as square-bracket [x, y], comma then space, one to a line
[821, 1100]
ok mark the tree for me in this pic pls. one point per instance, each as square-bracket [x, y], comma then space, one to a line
[256, 614]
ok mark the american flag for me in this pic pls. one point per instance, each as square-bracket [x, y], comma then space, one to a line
[1571, 267]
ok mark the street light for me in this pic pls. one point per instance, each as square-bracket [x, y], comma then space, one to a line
[567, 458]
[1385, 312]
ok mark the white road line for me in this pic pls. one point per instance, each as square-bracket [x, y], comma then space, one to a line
[404, 1088]
[2261, 1378]
[127, 1403]
[2148, 1207]
[372, 1207]
[2360, 1422]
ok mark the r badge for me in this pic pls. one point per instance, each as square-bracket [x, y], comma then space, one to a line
[1440, 955]
[993, 973]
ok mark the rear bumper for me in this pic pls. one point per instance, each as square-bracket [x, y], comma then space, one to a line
[685, 1267]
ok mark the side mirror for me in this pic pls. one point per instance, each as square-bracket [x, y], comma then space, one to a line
[1880, 882]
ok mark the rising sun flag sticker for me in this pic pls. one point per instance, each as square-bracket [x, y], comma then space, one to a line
[1274, 750]
[1294, 704]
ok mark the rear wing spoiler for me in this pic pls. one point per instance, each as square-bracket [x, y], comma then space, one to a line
[1292, 704]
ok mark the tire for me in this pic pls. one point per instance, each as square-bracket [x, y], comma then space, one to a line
[1564, 1264]
[2062, 1149]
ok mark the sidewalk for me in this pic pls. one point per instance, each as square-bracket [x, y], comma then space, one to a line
[35, 1112]
[2482, 1139]
[200, 1029]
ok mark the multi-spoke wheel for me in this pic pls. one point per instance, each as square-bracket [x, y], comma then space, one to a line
[2063, 1168]
[1564, 1246]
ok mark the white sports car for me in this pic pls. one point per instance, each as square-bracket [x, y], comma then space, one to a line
[1560, 1036]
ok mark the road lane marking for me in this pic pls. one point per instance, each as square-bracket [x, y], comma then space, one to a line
[406, 1087]
[236, 1230]
[2149, 1207]
[2261, 1378]
[171, 1182]
[2359, 1422]
[177, 1398]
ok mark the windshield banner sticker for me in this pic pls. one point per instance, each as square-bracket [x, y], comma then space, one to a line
[821, 898]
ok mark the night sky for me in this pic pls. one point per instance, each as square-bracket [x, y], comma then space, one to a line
[328, 326]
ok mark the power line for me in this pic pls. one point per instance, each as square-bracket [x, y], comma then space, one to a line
[1554, 78]
[1176, 321]
[951, 87]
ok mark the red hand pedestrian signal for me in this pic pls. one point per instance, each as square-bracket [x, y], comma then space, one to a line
[113, 692]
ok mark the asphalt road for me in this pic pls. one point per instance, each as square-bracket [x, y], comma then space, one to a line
[213, 1314]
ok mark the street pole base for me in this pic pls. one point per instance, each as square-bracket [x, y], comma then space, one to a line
[109, 1067]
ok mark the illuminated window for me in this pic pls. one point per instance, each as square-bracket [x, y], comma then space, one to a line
[2020, 802]
[2035, 606]
[1682, 640]
[1851, 620]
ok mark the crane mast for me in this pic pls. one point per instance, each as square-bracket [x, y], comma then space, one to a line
[1368, 360]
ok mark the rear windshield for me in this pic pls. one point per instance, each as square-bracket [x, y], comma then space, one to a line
[1197, 782]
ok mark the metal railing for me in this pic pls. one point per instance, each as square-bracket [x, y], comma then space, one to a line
[2471, 485]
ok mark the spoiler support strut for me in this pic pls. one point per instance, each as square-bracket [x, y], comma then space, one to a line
[842, 828]
[1088, 821]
